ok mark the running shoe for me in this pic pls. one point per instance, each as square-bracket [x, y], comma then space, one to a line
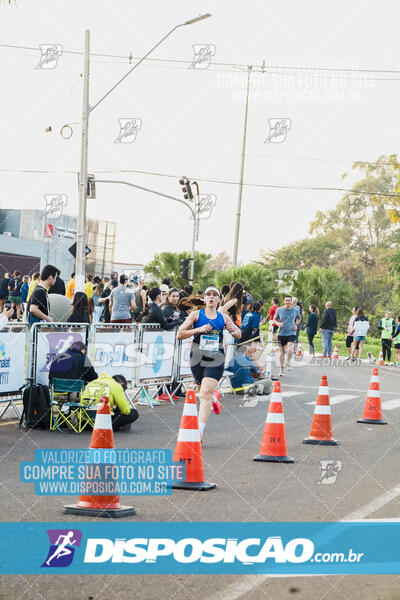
[163, 397]
[281, 373]
[388, 363]
[289, 367]
[216, 404]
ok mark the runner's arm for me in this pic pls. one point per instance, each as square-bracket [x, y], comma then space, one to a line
[224, 309]
[231, 327]
[185, 330]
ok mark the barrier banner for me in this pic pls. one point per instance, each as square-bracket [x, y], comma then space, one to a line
[113, 349]
[52, 339]
[156, 354]
[184, 370]
[229, 347]
[12, 357]
[295, 548]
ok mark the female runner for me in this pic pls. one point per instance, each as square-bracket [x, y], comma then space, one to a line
[207, 356]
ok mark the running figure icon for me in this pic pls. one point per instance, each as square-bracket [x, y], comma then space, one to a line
[62, 549]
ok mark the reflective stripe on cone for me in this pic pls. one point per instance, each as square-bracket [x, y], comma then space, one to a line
[321, 426]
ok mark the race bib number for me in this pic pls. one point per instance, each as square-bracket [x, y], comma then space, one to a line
[209, 342]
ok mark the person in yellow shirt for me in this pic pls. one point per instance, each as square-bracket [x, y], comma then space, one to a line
[70, 287]
[122, 414]
[89, 287]
[32, 284]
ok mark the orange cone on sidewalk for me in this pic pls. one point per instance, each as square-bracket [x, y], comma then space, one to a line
[380, 359]
[299, 350]
[188, 448]
[321, 426]
[100, 506]
[335, 355]
[273, 443]
[372, 410]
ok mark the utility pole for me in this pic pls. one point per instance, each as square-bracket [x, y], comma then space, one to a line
[80, 262]
[239, 202]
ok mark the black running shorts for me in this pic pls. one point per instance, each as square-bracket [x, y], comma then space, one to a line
[285, 339]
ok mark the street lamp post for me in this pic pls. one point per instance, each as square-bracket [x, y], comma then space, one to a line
[86, 111]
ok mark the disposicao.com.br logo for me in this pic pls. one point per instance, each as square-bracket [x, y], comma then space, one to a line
[62, 547]
[190, 550]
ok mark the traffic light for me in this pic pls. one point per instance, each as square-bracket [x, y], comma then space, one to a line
[186, 189]
[185, 268]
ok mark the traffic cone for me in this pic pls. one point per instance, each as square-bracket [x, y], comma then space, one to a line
[101, 506]
[321, 426]
[299, 350]
[273, 443]
[372, 410]
[188, 448]
[380, 359]
[335, 355]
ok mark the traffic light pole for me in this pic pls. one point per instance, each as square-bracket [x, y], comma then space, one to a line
[194, 213]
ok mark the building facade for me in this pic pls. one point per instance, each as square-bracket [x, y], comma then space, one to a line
[30, 239]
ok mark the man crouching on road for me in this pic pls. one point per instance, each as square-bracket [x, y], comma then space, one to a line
[287, 319]
[122, 414]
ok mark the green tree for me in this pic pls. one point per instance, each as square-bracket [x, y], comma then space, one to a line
[323, 250]
[167, 264]
[257, 280]
[365, 218]
[318, 285]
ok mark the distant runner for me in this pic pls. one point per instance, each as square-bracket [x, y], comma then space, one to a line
[289, 318]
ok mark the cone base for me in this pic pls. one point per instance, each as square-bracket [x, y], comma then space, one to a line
[200, 486]
[372, 421]
[108, 513]
[266, 458]
[321, 442]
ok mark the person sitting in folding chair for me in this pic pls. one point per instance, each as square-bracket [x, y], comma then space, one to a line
[247, 373]
[122, 414]
[73, 364]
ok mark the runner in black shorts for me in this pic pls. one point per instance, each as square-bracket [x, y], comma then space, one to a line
[207, 356]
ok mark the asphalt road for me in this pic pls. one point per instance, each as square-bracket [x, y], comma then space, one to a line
[246, 491]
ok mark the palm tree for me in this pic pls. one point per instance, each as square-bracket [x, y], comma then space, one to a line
[167, 264]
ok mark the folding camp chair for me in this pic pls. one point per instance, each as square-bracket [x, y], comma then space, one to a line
[67, 412]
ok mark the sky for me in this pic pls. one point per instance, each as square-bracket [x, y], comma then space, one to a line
[192, 119]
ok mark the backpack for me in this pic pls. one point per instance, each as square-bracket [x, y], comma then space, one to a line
[36, 401]
[15, 285]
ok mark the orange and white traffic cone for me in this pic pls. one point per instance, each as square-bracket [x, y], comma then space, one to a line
[380, 359]
[335, 355]
[299, 350]
[372, 410]
[100, 506]
[321, 426]
[188, 448]
[273, 443]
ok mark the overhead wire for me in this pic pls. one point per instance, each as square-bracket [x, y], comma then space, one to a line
[218, 181]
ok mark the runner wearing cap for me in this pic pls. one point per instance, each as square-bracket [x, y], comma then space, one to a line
[207, 355]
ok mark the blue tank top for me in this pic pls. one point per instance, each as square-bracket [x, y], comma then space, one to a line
[217, 324]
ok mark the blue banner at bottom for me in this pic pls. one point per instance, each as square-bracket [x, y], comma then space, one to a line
[200, 548]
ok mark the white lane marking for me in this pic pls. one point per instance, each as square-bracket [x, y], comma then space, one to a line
[315, 387]
[374, 505]
[338, 399]
[391, 404]
[251, 582]
[291, 394]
